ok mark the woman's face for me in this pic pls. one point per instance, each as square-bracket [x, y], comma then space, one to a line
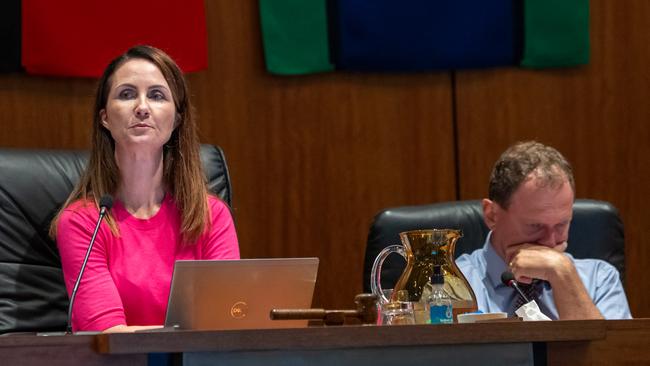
[140, 109]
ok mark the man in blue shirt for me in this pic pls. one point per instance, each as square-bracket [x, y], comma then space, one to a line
[529, 211]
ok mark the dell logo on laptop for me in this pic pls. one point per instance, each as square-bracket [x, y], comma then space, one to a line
[239, 310]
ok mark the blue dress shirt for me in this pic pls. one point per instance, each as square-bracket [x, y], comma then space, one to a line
[484, 266]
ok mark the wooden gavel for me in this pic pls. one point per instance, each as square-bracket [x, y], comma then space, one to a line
[365, 313]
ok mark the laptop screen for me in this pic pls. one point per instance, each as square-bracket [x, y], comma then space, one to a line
[239, 294]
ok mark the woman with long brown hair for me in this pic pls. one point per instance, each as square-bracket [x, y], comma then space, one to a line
[145, 153]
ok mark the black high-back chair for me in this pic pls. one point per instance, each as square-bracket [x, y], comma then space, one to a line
[33, 186]
[596, 232]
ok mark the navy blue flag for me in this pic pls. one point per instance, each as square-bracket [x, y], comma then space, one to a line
[421, 35]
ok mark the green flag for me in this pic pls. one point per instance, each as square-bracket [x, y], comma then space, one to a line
[556, 33]
[295, 36]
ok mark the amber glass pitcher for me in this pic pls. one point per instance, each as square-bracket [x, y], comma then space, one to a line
[423, 249]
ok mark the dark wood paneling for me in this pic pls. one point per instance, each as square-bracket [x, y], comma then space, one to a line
[312, 158]
[39, 112]
[597, 115]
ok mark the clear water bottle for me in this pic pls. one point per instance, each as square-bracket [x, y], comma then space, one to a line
[440, 310]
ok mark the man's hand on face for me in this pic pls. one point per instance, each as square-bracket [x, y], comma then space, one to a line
[528, 261]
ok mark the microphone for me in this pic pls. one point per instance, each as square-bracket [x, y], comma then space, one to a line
[105, 204]
[508, 279]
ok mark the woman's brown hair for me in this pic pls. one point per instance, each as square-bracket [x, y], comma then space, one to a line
[182, 170]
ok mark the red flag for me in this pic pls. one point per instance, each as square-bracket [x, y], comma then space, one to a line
[80, 37]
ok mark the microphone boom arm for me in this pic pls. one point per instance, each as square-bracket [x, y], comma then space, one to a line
[105, 204]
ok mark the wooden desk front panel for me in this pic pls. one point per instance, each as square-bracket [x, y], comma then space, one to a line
[626, 342]
[70, 350]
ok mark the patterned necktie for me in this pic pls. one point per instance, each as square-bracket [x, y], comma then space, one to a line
[532, 292]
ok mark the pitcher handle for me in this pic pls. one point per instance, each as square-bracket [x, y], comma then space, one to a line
[375, 274]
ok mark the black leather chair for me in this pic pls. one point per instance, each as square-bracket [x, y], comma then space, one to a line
[33, 186]
[596, 232]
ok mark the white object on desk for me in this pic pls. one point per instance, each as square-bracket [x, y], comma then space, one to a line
[531, 312]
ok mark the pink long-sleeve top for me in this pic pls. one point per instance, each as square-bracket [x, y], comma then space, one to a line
[127, 278]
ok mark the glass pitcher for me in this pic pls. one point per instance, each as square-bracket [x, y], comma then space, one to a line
[423, 249]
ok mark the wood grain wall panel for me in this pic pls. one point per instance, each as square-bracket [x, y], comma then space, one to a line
[38, 112]
[597, 115]
[312, 158]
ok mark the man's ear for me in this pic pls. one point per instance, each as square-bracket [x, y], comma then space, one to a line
[490, 213]
[102, 117]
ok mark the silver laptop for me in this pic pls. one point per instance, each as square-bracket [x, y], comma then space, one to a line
[239, 294]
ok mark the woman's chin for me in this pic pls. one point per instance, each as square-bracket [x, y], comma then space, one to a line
[141, 141]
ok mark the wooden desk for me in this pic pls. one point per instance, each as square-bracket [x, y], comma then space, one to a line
[625, 342]
[594, 342]
[28, 350]
[349, 337]
[486, 343]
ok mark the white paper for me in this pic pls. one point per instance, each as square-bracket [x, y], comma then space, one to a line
[531, 312]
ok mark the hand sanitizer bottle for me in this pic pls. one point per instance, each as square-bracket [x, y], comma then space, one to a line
[440, 310]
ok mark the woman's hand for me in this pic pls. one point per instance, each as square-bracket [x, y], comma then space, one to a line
[130, 329]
